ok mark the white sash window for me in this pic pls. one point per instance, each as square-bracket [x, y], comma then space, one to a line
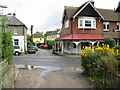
[87, 23]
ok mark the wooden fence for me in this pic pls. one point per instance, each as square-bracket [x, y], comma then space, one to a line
[106, 78]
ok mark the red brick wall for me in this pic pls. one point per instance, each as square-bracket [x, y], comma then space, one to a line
[77, 30]
[99, 28]
[66, 31]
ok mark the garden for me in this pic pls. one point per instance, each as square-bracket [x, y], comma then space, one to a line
[101, 65]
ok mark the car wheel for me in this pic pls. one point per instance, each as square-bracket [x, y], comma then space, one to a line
[16, 53]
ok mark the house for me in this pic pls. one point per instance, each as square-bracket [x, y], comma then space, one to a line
[18, 31]
[86, 25]
[38, 38]
[52, 35]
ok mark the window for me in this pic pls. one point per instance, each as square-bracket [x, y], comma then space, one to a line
[106, 26]
[16, 42]
[87, 23]
[67, 24]
[15, 30]
[118, 26]
[81, 23]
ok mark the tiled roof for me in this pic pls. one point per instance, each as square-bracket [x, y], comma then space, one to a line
[70, 10]
[13, 21]
[37, 36]
[107, 14]
[82, 37]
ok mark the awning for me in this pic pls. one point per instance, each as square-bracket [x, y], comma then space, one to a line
[81, 37]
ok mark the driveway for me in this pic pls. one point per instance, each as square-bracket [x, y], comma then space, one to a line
[46, 70]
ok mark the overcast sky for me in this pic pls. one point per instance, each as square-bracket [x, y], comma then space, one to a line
[46, 15]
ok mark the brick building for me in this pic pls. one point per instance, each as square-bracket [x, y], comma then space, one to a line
[85, 25]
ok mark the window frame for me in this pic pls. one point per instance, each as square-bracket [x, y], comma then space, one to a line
[16, 42]
[106, 26]
[15, 30]
[66, 23]
[82, 23]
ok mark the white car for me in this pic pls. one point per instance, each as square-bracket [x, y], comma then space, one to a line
[17, 50]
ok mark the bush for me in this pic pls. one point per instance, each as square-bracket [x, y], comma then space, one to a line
[7, 47]
[98, 59]
[109, 62]
[50, 44]
[100, 55]
[88, 62]
[110, 41]
[7, 44]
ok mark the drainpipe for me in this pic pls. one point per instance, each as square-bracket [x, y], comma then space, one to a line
[72, 27]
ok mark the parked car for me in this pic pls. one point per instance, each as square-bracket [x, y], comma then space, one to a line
[36, 48]
[31, 49]
[45, 46]
[17, 50]
[40, 46]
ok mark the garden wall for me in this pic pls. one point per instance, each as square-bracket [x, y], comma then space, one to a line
[9, 75]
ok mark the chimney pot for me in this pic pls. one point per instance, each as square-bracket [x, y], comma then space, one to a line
[91, 1]
[14, 14]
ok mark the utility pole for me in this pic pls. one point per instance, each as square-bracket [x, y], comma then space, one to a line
[31, 29]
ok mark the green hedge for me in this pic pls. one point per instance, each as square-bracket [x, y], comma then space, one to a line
[7, 44]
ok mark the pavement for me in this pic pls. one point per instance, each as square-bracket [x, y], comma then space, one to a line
[50, 71]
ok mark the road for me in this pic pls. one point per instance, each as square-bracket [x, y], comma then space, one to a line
[52, 71]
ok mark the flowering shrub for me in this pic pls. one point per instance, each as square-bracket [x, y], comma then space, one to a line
[101, 55]
[97, 59]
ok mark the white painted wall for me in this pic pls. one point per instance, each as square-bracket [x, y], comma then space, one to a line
[21, 41]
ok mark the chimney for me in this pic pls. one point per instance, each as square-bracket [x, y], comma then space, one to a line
[9, 14]
[14, 14]
[92, 2]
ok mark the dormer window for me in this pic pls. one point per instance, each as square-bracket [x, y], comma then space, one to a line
[66, 23]
[106, 26]
[87, 23]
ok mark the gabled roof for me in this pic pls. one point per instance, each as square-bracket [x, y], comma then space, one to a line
[118, 8]
[13, 21]
[105, 14]
[84, 6]
[81, 37]
[69, 10]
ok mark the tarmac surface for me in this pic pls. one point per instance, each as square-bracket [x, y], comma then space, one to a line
[46, 70]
